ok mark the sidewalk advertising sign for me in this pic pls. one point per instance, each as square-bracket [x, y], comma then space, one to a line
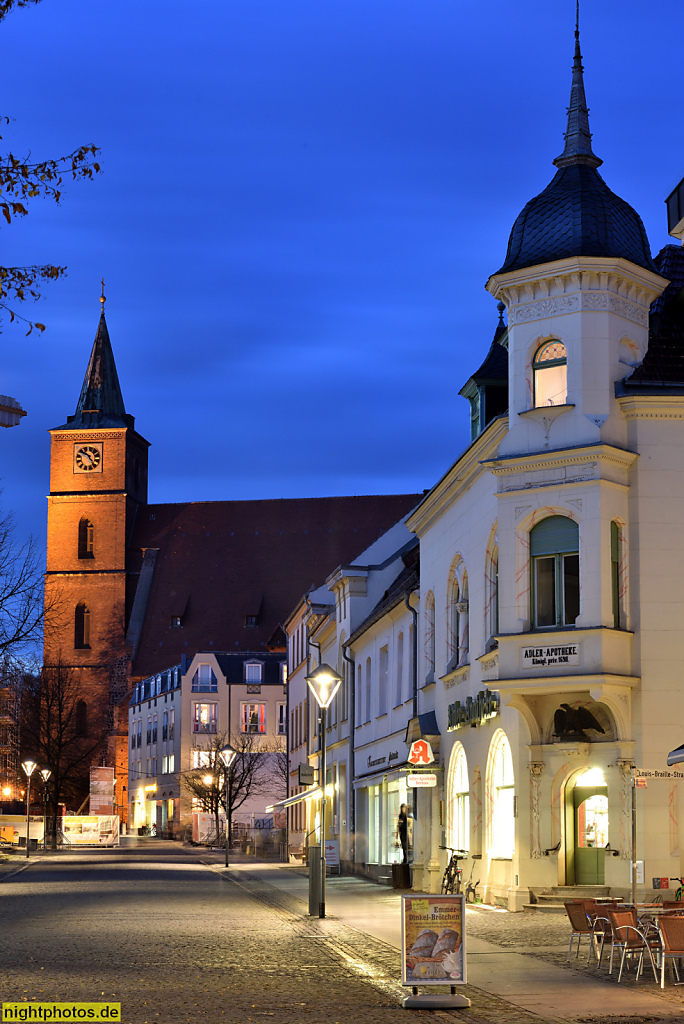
[101, 791]
[433, 940]
[91, 829]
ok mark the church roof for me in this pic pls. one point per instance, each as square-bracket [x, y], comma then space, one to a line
[663, 365]
[577, 214]
[213, 557]
[100, 403]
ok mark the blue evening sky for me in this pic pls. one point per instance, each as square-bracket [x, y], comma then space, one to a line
[301, 203]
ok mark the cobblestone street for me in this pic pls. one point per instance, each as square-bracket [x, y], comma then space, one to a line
[165, 933]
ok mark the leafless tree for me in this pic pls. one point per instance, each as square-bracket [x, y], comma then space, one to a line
[21, 593]
[57, 734]
[255, 770]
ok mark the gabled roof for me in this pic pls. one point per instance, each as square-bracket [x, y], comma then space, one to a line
[221, 553]
[404, 584]
[100, 403]
[663, 365]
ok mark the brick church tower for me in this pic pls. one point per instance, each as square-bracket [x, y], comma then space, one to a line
[98, 480]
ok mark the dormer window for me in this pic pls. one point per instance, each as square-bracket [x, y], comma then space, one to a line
[550, 373]
[250, 620]
[176, 622]
[253, 671]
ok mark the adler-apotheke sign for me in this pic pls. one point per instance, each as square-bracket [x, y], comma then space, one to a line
[551, 657]
[474, 710]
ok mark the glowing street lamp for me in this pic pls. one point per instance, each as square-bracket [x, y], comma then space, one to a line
[227, 755]
[324, 683]
[45, 773]
[29, 768]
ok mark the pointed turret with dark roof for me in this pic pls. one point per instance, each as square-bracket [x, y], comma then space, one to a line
[101, 403]
[577, 214]
[487, 389]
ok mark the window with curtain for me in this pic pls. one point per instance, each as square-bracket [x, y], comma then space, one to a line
[430, 635]
[615, 572]
[501, 793]
[399, 672]
[204, 680]
[550, 374]
[458, 800]
[554, 553]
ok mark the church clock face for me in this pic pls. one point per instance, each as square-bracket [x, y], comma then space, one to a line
[88, 458]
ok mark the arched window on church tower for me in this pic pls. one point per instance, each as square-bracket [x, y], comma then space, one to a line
[81, 718]
[85, 538]
[82, 627]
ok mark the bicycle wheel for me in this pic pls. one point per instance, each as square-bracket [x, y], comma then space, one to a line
[448, 881]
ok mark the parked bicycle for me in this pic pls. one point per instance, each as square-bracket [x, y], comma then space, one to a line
[453, 874]
[679, 894]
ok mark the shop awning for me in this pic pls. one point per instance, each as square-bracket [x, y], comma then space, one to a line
[310, 794]
[676, 756]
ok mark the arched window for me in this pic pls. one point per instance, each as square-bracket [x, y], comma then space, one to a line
[492, 590]
[453, 625]
[430, 636]
[82, 627]
[501, 797]
[81, 718]
[458, 800]
[464, 622]
[554, 551]
[399, 672]
[550, 373]
[85, 539]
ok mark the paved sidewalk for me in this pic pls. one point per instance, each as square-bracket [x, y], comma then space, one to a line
[526, 980]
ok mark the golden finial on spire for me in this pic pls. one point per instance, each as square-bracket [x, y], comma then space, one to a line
[102, 298]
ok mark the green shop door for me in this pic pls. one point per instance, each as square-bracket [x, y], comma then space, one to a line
[591, 834]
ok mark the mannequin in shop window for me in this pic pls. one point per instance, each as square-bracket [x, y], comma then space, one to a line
[402, 832]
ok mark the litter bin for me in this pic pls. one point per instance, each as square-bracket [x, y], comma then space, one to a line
[401, 876]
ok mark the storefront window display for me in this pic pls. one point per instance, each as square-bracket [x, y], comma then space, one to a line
[397, 794]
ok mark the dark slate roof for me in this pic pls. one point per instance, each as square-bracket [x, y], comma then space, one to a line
[663, 365]
[101, 391]
[577, 215]
[218, 554]
[232, 666]
[495, 365]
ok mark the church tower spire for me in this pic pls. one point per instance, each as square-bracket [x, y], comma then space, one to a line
[578, 137]
[101, 403]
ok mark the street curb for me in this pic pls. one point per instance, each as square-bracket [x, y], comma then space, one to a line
[23, 867]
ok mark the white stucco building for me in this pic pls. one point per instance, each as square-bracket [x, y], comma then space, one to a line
[551, 597]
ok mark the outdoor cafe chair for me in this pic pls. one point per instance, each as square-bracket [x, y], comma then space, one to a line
[671, 928]
[630, 940]
[581, 925]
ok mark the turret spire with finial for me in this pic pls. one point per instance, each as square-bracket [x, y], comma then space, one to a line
[578, 137]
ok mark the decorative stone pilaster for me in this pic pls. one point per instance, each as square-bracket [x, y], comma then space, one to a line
[535, 769]
[625, 770]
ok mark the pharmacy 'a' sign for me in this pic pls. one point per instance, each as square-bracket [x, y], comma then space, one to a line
[420, 753]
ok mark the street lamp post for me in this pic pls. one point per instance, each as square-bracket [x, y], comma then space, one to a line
[46, 773]
[29, 768]
[227, 755]
[324, 683]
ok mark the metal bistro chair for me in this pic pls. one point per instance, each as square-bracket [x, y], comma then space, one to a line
[671, 929]
[580, 922]
[631, 940]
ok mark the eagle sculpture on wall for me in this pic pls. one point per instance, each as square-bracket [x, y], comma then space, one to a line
[570, 723]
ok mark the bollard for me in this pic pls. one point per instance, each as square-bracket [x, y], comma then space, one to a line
[314, 880]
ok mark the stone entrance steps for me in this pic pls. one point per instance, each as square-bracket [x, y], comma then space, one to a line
[552, 899]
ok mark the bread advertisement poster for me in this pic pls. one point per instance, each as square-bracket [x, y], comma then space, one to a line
[433, 940]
